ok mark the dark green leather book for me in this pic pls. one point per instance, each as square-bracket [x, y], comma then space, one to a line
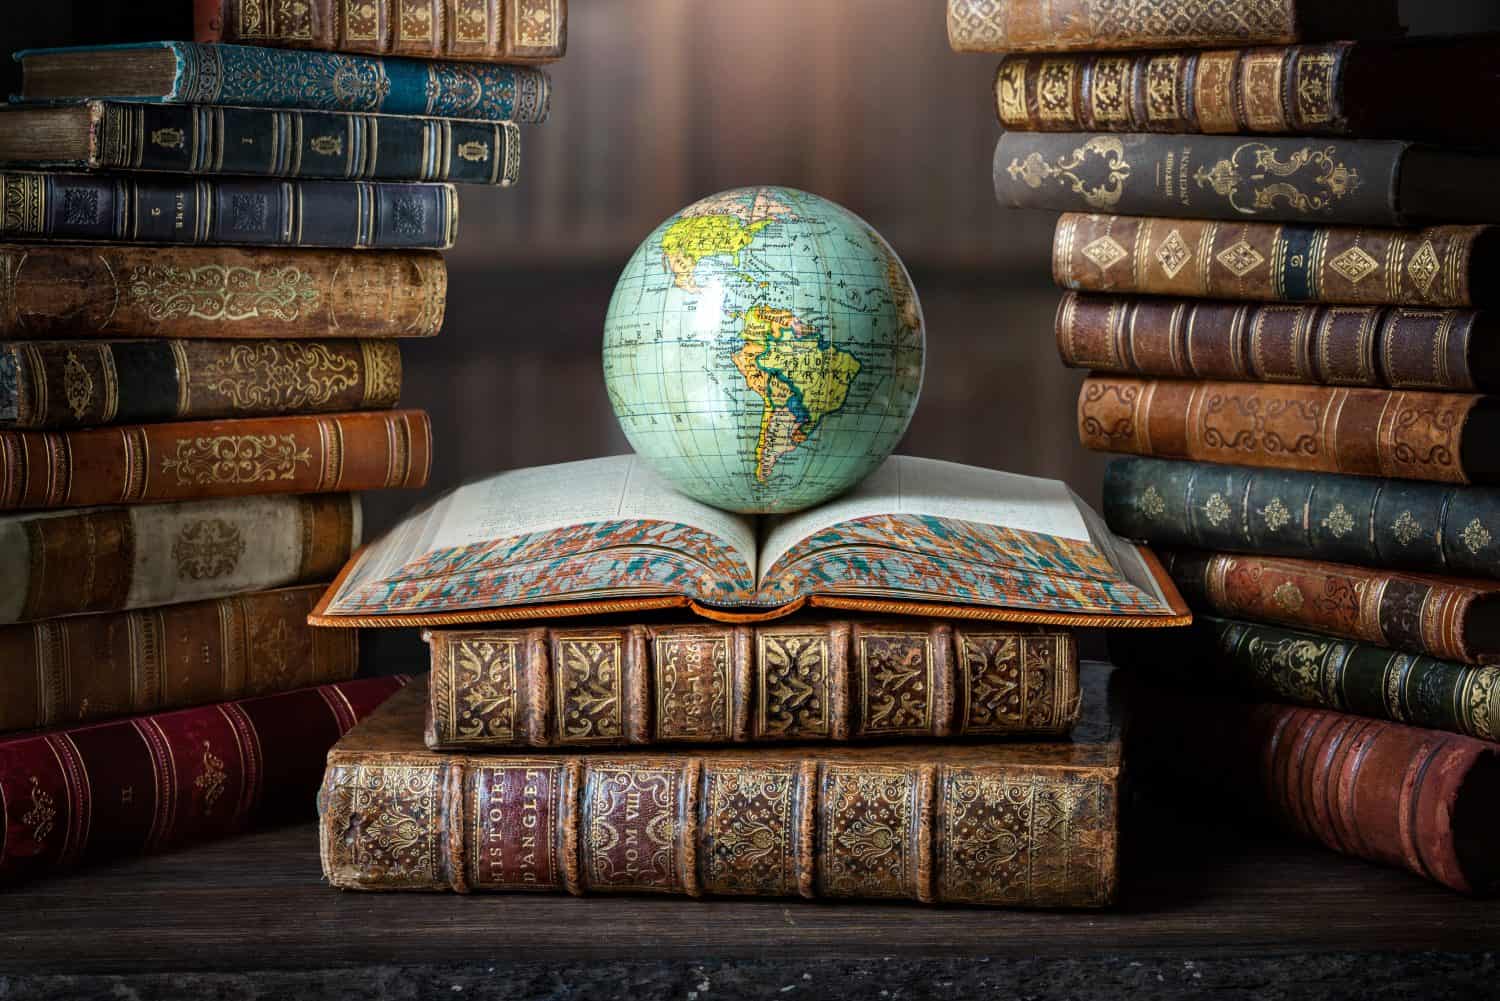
[1284, 665]
[1397, 524]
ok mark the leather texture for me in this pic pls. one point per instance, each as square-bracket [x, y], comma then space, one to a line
[805, 679]
[1267, 261]
[82, 668]
[1398, 347]
[79, 291]
[1365, 432]
[514, 31]
[914, 821]
[140, 463]
[144, 785]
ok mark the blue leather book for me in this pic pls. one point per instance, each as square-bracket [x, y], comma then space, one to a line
[234, 211]
[191, 73]
[208, 139]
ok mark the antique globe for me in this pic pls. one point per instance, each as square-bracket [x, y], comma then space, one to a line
[763, 350]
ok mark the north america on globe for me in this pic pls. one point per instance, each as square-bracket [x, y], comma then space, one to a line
[764, 349]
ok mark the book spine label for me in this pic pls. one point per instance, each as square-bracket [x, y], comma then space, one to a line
[157, 554]
[1068, 25]
[1381, 791]
[142, 785]
[1365, 432]
[307, 144]
[94, 667]
[1265, 261]
[719, 684]
[816, 827]
[1410, 614]
[1283, 665]
[259, 77]
[1391, 346]
[139, 463]
[246, 212]
[1343, 519]
[1201, 176]
[480, 30]
[71, 291]
[1297, 89]
[61, 384]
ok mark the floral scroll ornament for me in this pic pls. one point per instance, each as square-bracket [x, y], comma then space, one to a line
[1475, 536]
[1339, 521]
[1253, 180]
[230, 458]
[1101, 184]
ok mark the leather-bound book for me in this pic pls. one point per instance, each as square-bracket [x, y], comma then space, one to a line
[1400, 347]
[139, 463]
[1069, 25]
[151, 783]
[77, 291]
[1444, 617]
[1323, 672]
[231, 212]
[82, 668]
[202, 139]
[1373, 90]
[1362, 182]
[1443, 437]
[1395, 524]
[1442, 267]
[253, 76]
[1420, 800]
[63, 384]
[114, 559]
[1015, 824]
[515, 31]
[809, 680]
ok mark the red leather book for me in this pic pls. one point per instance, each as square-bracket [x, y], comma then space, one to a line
[139, 463]
[1423, 800]
[150, 783]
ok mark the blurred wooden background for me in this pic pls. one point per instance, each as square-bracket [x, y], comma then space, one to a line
[661, 102]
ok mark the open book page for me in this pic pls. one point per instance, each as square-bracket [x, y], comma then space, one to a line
[528, 535]
[920, 529]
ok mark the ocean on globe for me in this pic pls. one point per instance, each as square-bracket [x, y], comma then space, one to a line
[764, 350]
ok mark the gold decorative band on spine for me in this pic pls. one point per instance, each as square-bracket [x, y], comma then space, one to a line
[23, 203]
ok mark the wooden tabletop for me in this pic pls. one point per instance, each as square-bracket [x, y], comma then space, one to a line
[1193, 889]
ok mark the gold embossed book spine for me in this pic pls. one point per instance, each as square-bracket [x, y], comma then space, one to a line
[514, 31]
[140, 463]
[77, 291]
[707, 684]
[1074, 25]
[1442, 437]
[916, 822]
[84, 668]
[64, 384]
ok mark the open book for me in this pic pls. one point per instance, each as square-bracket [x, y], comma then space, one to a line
[606, 535]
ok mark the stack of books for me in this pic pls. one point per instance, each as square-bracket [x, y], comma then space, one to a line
[1300, 371]
[191, 395]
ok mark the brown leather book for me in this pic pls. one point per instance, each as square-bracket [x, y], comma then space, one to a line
[1444, 617]
[809, 680]
[96, 290]
[113, 559]
[512, 31]
[272, 455]
[1400, 347]
[65, 384]
[83, 668]
[1440, 437]
[1422, 800]
[1441, 267]
[1021, 825]
[1069, 25]
[1397, 90]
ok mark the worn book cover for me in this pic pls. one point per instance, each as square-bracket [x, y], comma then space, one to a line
[916, 537]
[1015, 824]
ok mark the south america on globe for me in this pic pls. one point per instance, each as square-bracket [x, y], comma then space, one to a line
[764, 349]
